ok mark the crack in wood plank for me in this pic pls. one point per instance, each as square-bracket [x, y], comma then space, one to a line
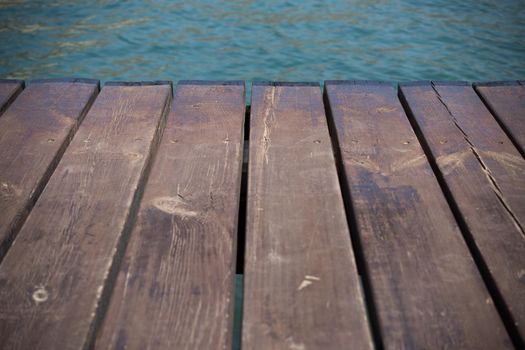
[492, 180]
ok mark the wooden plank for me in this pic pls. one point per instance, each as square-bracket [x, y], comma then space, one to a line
[9, 90]
[59, 270]
[490, 144]
[301, 282]
[34, 132]
[479, 165]
[175, 288]
[425, 285]
[506, 101]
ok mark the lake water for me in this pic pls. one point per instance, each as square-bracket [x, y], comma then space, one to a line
[305, 40]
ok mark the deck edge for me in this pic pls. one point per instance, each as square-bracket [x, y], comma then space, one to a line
[12, 81]
[210, 82]
[450, 83]
[65, 80]
[434, 82]
[415, 83]
[138, 83]
[284, 83]
[141, 83]
[497, 83]
[359, 82]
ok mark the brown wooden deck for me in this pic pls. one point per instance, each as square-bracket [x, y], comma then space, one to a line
[364, 216]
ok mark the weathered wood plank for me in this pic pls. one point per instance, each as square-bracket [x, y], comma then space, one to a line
[426, 288]
[506, 101]
[57, 274]
[34, 132]
[465, 142]
[491, 145]
[301, 282]
[175, 288]
[9, 90]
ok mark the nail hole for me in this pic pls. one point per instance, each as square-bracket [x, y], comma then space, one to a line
[40, 295]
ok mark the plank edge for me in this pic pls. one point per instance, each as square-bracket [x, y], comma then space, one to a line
[434, 82]
[66, 80]
[19, 87]
[358, 82]
[138, 83]
[13, 81]
[496, 83]
[283, 83]
[210, 82]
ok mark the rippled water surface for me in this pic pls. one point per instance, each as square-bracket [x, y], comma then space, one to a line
[276, 40]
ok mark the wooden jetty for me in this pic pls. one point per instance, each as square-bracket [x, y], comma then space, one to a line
[362, 215]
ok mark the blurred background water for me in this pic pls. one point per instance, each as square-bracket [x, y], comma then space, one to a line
[303, 40]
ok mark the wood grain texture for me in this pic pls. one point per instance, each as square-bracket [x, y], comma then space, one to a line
[34, 132]
[54, 278]
[506, 100]
[479, 165]
[426, 288]
[9, 90]
[301, 283]
[175, 288]
[505, 168]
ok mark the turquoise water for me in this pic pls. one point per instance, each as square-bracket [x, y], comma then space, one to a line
[273, 40]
